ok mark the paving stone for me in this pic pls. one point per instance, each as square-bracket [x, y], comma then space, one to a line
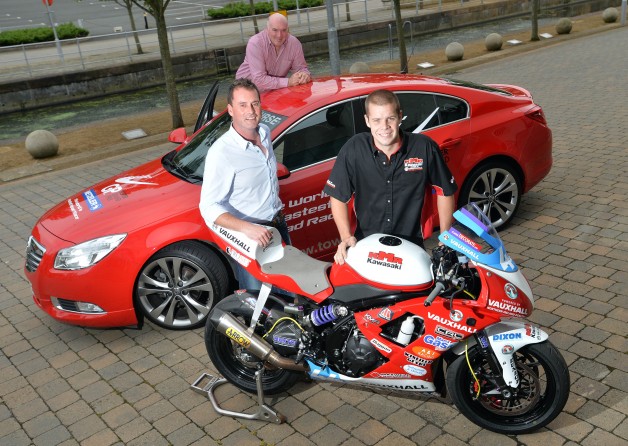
[600, 416]
[572, 427]
[600, 437]
[332, 435]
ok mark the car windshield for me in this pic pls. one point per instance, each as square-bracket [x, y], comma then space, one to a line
[189, 162]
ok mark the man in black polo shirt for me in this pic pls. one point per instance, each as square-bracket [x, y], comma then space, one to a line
[387, 171]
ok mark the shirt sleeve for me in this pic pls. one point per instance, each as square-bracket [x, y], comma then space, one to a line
[298, 62]
[257, 67]
[340, 182]
[439, 174]
[215, 193]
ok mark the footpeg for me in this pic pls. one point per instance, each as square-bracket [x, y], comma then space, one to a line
[263, 413]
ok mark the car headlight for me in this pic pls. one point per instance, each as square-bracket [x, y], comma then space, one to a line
[88, 253]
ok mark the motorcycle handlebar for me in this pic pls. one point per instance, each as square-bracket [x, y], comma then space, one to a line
[435, 292]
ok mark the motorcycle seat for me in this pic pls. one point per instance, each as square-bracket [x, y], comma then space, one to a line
[308, 273]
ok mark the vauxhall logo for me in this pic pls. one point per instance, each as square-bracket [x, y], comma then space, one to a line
[452, 324]
[232, 238]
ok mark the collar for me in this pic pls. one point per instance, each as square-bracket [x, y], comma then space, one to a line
[244, 144]
[401, 148]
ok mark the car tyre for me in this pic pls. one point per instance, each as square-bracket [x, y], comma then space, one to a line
[178, 286]
[496, 188]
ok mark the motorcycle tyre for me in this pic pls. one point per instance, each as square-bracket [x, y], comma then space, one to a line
[221, 352]
[459, 380]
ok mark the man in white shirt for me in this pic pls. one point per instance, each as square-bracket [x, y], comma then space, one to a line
[240, 186]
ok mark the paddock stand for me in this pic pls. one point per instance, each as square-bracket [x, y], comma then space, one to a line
[263, 413]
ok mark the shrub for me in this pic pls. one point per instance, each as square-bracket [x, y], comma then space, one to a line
[41, 34]
[242, 9]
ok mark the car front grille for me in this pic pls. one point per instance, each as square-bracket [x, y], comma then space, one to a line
[34, 253]
[65, 304]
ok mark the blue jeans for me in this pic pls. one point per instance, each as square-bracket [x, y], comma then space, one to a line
[246, 281]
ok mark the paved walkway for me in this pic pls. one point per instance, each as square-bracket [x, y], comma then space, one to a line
[66, 385]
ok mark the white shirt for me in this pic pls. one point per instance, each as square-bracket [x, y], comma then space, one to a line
[240, 179]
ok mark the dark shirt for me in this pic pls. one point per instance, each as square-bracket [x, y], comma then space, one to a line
[389, 194]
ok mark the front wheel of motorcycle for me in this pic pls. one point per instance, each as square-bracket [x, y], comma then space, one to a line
[540, 397]
[239, 366]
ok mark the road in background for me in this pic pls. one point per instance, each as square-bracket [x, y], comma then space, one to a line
[97, 16]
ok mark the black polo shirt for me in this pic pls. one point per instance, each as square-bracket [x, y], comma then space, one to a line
[389, 194]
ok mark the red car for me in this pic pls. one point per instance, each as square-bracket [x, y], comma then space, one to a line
[136, 246]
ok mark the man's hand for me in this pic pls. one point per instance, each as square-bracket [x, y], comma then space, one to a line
[298, 78]
[258, 233]
[341, 253]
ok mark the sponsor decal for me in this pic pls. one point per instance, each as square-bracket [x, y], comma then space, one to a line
[465, 239]
[368, 318]
[93, 203]
[448, 333]
[381, 346]
[397, 386]
[241, 292]
[414, 370]
[386, 314]
[463, 248]
[389, 375]
[506, 336]
[384, 259]
[503, 307]
[511, 291]
[413, 164]
[507, 349]
[425, 352]
[238, 337]
[456, 315]
[533, 332]
[483, 340]
[416, 360]
[232, 238]
[330, 184]
[111, 189]
[452, 324]
[242, 260]
[440, 344]
[286, 342]
[75, 208]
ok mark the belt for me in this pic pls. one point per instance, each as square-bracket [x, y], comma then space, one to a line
[277, 220]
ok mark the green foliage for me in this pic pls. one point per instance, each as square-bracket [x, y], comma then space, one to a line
[242, 9]
[41, 34]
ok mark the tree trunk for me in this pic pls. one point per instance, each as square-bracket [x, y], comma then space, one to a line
[254, 16]
[129, 5]
[166, 63]
[348, 11]
[535, 5]
[403, 57]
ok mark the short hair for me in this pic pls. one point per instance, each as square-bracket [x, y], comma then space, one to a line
[241, 83]
[382, 97]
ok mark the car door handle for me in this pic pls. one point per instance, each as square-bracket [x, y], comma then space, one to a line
[448, 143]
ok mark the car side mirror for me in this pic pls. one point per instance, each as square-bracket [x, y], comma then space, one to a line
[282, 171]
[178, 136]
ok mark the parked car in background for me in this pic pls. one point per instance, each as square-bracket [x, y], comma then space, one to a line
[135, 246]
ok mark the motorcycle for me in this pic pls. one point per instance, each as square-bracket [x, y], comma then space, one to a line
[394, 318]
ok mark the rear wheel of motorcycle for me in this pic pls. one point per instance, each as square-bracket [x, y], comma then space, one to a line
[541, 396]
[239, 366]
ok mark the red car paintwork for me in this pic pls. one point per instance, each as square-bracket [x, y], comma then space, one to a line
[165, 210]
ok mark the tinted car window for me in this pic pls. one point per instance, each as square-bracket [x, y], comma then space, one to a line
[316, 138]
[451, 109]
[419, 111]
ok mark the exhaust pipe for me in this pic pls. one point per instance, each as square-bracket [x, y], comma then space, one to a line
[228, 325]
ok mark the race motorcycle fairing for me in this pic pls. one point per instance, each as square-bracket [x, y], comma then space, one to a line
[393, 317]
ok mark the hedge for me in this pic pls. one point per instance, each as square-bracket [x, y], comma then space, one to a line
[241, 9]
[41, 34]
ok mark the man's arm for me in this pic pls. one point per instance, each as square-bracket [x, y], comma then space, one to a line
[258, 233]
[446, 206]
[256, 60]
[340, 212]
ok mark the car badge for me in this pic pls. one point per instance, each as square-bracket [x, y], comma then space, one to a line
[511, 291]
[507, 349]
[456, 315]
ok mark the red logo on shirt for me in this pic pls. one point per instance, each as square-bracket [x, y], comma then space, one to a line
[413, 164]
[330, 184]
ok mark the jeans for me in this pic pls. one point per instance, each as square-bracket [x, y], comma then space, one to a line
[246, 281]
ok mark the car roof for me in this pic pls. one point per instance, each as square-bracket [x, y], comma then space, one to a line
[332, 89]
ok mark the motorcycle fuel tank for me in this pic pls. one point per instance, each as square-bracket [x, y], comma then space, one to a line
[391, 261]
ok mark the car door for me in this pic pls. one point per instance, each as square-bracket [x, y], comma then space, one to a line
[308, 149]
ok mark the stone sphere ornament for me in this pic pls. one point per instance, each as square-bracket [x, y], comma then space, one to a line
[493, 42]
[454, 51]
[42, 144]
[610, 15]
[360, 67]
[564, 26]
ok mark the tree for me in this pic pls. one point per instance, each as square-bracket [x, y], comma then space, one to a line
[535, 5]
[403, 56]
[157, 9]
[128, 4]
